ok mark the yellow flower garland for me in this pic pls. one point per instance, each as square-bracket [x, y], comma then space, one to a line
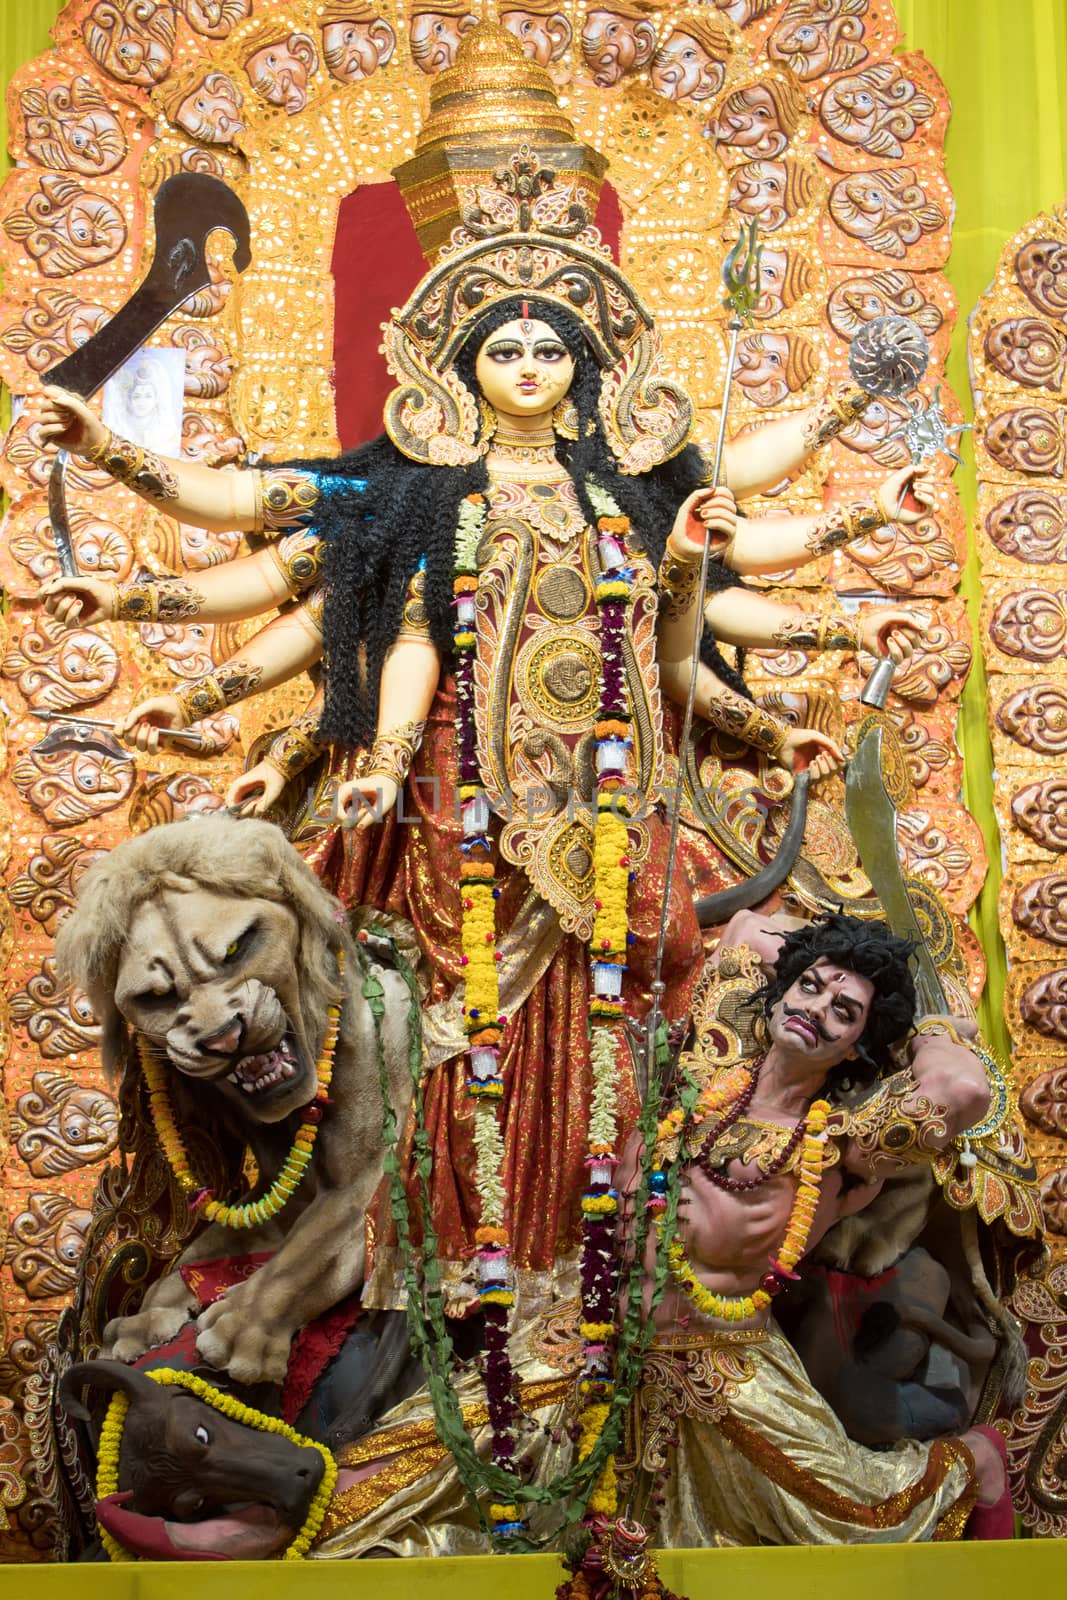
[255, 1212]
[107, 1471]
[741, 1308]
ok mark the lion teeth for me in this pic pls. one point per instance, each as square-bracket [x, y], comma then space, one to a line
[255, 1074]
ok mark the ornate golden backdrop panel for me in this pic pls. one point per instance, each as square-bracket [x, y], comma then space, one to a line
[1018, 357]
[802, 113]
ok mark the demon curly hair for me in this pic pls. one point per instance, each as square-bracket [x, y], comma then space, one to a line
[382, 515]
[872, 951]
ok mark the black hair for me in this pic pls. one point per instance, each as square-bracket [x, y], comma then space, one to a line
[376, 539]
[869, 949]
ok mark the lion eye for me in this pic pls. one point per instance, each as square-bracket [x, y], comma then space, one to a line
[232, 949]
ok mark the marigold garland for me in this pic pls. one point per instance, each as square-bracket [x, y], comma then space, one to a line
[107, 1471]
[255, 1212]
[608, 950]
[741, 1308]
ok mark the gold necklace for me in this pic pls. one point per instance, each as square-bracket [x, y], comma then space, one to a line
[523, 450]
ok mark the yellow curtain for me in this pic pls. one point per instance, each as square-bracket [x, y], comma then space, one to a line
[1004, 63]
[24, 26]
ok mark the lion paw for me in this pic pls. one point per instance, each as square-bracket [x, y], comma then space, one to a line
[126, 1338]
[229, 1338]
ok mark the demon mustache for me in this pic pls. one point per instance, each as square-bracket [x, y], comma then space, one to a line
[824, 1034]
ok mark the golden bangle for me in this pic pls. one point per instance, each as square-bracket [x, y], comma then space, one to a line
[299, 557]
[831, 630]
[837, 410]
[841, 524]
[392, 753]
[137, 468]
[678, 582]
[296, 747]
[216, 690]
[763, 731]
[287, 498]
[169, 600]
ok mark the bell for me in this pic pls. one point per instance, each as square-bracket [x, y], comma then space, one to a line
[875, 691]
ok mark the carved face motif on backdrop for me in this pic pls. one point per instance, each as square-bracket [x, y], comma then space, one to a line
[773, 191]
[878, 110]
[887, 210]
[1041, 270]
[615, 43]
[103, 548]
[71, 776]
[60, 1125]
[683, 69]
[46, 1244]
[59, 1020]
[1027, 439]
[215, 19]
[71, 127]
[61, 671]
[544, 36]
[813, 40]
[66, 228]
[132, 40]
[47, 888]
[772, 366]
[891, 292]
[433, 38]
[354, 50]
[1027, 350]
[212, 110]
[783, 278]
[54, 324]
[1040, 810]
[1030, 525]
[755, 120]
[742, 12]
[279, 72]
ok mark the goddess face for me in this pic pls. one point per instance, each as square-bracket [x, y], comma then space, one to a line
[354, 50]
[683, 70]
[613, 45]
[524, 369]
[543, 39]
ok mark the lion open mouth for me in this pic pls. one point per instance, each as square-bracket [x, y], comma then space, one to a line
[265, 1070]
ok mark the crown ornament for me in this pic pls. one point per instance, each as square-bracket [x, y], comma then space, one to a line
[502, 195]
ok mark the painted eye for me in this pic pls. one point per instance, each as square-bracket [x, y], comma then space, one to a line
[201, 1435]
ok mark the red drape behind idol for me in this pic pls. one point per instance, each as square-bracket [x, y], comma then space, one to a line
[376, 264]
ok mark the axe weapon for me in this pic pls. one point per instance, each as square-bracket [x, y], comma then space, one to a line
[872, 822]
[186, 738]
[189, 207]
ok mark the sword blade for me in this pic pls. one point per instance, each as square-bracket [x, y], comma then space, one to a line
[872, 821]
[62, 537]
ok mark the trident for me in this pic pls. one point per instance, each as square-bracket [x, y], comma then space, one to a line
[740, 277]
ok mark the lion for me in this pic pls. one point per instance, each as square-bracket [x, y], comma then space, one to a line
[212, 940]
